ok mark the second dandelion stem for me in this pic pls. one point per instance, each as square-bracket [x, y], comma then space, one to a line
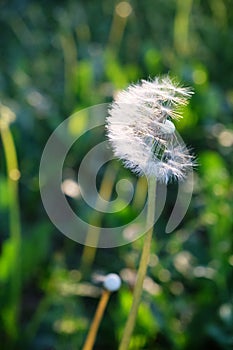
[142, 267]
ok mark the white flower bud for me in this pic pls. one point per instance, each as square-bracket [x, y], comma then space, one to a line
[112, 282]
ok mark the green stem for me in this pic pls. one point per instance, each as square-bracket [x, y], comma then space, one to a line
[13, 175]
[142, 268]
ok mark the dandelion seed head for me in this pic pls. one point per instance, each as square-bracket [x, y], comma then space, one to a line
[142, 133]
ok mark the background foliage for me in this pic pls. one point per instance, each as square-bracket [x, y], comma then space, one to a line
[61, 56]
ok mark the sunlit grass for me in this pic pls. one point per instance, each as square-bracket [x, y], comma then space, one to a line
[11, 313]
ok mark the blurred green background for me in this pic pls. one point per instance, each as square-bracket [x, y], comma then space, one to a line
[58, 57]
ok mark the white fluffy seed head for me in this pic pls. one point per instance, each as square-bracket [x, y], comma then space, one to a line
[112, 282]
[141, 132]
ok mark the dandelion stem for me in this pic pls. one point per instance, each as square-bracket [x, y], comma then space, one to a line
[142, 267]
[89, 343]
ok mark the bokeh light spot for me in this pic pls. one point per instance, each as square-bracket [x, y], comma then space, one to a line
[14, 174]
[70, 188]
[123, 9]
[225, 138]
[199, 76]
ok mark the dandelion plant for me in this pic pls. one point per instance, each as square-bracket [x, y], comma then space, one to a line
[142, 134]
